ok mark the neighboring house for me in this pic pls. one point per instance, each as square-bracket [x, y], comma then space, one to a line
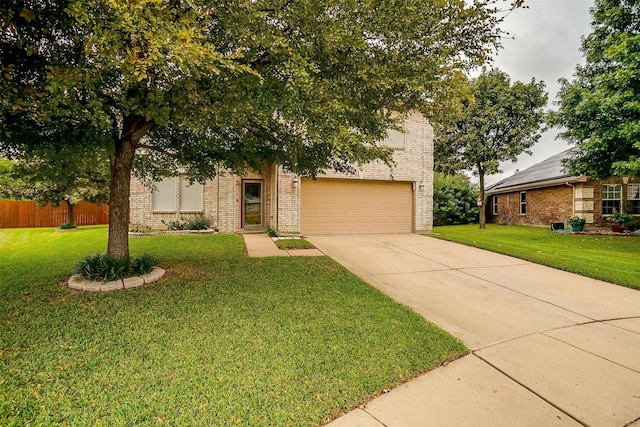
[546, 193]
[377, 199]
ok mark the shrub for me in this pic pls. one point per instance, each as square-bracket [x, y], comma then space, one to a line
[178, 224]
[67, 226]
[271, 232]
[103, 267]
[199, 222]
[454, 200]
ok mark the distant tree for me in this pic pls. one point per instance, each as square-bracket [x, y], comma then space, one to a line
[600, 108]
[198, 86]
[454, 200]
[67, 175]
[497, 122]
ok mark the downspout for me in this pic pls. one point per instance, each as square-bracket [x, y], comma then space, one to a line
[218, 202]
[573, 198]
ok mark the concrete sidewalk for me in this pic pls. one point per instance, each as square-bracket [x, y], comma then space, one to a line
[548, 347]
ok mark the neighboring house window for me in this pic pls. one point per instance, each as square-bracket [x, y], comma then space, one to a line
[633, 197]
[494, 205]
[169, 197]
[611, 196]
[523, 203]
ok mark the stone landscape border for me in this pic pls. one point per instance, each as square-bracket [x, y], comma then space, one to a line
[79, 283]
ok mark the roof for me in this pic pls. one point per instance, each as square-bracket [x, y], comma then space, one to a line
[548, 172]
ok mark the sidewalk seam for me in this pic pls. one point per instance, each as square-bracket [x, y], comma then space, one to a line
[529, 389]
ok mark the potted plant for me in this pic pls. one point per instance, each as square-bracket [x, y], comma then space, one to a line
[576, 223]
[618, 221]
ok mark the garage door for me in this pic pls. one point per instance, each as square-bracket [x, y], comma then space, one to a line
[333, 206]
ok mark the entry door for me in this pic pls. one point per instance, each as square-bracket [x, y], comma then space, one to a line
[251, 204]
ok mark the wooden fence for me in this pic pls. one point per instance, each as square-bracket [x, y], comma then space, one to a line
[17, 214]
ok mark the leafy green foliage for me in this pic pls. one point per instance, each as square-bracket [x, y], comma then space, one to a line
[262, 342]
[499, 121]
[67, 226]
[600, 107]
[454, 200]
[588, 255]
[10, 186]
[204, 87]
[103, 267]
[271, 232]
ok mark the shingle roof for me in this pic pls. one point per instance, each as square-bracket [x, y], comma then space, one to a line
[550, 169]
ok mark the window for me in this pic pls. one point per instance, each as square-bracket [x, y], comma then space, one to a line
[394, 139]
[633, 198]
[168, 196]
[190, 196]
[611, 195]
[494, 205]
[523, 203]
[164, 195]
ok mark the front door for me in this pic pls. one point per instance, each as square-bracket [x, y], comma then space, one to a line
[251, 204]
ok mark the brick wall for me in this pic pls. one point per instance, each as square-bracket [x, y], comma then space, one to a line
[544, 206]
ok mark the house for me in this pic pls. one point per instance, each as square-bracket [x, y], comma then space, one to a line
[545, 193]
[376, 199]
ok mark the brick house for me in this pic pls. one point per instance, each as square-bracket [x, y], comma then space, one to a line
[546, 193]
[377, 199]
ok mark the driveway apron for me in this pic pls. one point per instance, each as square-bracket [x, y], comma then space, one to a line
[548, 347]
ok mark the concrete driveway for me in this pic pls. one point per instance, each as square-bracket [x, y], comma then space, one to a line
[548, 347]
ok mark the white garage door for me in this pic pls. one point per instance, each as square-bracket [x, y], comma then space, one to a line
[334, 206]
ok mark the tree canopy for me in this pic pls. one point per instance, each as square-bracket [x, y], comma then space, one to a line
[204, 86]
[600, 107]
[498, 121]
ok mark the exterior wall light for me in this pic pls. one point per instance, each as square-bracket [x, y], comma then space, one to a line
[296, 183]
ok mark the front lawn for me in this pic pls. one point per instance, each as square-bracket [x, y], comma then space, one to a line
[607, 257]
[223, 340]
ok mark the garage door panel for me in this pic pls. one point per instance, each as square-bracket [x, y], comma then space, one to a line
[331, 206]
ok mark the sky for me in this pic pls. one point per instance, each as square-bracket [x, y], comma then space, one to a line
[546, 45]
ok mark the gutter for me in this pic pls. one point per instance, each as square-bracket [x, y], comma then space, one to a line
[540, 184]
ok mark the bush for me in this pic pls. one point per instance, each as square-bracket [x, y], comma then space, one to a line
[454, 200]
[102, 267]
[199, 222]
[67, 226]
[271, 232]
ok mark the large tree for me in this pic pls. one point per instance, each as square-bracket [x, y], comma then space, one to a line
[202, 86]
[497, 122]
[600, 107]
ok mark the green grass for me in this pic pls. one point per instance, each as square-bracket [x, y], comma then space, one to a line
[611, 258]
[294, 244]
[223, 340]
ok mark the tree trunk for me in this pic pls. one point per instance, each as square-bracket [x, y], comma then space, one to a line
[70, 213]
[134, 128]
[483, 216]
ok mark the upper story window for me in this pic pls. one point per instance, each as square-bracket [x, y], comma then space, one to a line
[394, 139]
[633, 198]
[523, 203]
[176, 194]
[611, 196]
